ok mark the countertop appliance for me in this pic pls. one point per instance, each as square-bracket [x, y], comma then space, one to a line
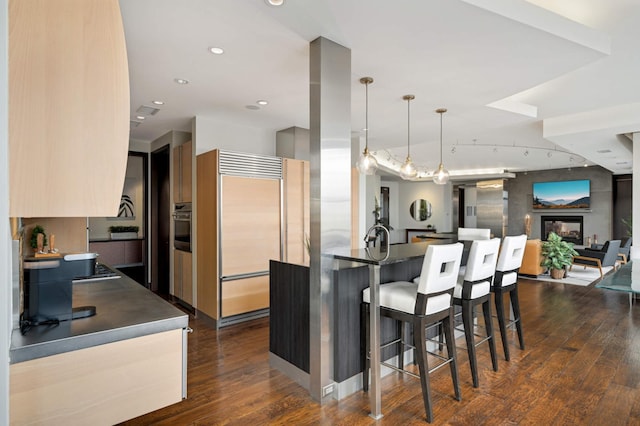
[48, 288]
[182, 227]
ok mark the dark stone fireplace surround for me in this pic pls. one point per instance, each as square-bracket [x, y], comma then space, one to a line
[570, 228]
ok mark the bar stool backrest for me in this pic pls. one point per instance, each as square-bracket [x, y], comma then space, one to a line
[437, 281]
[483, 257]
[511, 253]
[440, 268]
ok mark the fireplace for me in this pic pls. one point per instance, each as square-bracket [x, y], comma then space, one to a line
[570, 228]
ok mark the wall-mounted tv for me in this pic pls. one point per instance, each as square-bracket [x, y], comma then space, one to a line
[568, 194]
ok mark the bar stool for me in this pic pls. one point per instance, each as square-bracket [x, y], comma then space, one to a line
[423, 305]
[472, 289]
[506, 281]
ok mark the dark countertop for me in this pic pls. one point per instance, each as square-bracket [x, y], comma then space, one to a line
[397, 253]
[124, 310]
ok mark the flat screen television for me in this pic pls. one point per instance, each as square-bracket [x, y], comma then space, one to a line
[568, 194]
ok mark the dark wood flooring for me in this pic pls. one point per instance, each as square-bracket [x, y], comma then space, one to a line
[581, 366]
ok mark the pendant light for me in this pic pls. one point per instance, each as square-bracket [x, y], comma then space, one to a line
[441, 176]
[408, 170]
[367, 163]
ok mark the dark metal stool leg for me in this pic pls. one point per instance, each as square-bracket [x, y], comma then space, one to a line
[516, 313]
[499, 300]
[467, 320]
[421, 348]
[486, 310]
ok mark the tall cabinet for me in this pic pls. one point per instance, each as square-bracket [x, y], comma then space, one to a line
[182, 160]
[244, 220]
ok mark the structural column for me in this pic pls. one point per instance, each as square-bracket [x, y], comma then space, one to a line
[330, 167]
[635, 196]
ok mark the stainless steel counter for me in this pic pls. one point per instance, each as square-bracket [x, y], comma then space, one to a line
[124, 310]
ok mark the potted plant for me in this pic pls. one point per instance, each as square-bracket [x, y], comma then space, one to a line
[123, 232]
[34, 238]
[558, 254]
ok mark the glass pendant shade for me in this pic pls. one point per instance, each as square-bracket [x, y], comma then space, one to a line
[408, 170]
[367, 163]
[441, 176]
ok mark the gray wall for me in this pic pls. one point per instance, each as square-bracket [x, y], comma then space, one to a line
[597, 220]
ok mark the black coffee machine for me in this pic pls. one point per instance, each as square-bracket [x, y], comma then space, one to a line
[48, 289]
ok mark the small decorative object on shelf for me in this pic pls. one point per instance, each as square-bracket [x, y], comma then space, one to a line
[39, 242]
[123, 232]
[38, 239]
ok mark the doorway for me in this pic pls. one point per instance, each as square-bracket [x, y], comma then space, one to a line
[160, 220]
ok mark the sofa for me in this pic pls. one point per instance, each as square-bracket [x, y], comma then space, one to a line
[532, 258]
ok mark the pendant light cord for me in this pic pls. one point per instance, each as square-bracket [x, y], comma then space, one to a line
[440, 138]
[366, 117]
[408, 128]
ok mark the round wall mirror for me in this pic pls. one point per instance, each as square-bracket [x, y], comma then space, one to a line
[420, 210]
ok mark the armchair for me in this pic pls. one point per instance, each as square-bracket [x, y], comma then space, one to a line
[623, 253]
[598, 258]
[625, 248]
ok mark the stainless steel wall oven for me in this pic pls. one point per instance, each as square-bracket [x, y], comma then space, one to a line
[182, 227]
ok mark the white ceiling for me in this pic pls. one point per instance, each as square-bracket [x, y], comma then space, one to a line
[575, 61]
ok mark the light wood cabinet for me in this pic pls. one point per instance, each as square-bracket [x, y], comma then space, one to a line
[105, 384]
[182, 169]
[207, 233]
[295, 175]
[68, 108]
[238, 231]
[183, 276]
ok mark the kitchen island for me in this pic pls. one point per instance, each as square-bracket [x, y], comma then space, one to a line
[127, 360]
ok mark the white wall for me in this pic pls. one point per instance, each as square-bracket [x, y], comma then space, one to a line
[211, 133]
[5, 237]
[440, 197]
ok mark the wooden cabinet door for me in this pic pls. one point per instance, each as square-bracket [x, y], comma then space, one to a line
[182, 276]
[68, 108]
[182, 173]
[175, 165]
[187, 278]
[296, 210]
[185, 171]
[250, 234]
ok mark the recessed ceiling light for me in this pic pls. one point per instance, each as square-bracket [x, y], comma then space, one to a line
[216, 50]
[262, 102]
[157, 102]
[252, 107]
[140, 117]
[274, 2]
[181, 80]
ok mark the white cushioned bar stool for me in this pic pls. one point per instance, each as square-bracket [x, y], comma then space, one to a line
[506, 281]
[423, 305]
[474, 288]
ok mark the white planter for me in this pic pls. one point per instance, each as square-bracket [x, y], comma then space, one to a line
[123, 235]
